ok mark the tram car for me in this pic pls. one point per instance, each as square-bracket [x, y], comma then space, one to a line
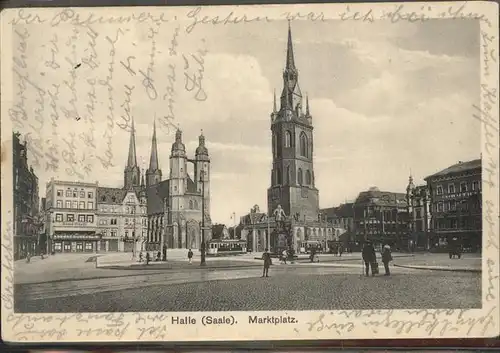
[223, 247]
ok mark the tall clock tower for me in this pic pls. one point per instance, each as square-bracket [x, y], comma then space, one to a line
[292, 177]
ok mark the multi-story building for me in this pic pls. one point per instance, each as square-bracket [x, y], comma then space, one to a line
[456, 205]
[71, 216]
[293, 188]
[382, 217]
[26, 201]
[419, 212]
[121, 212]
[175, 205]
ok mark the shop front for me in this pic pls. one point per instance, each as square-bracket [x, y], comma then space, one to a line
[24, 245]
[75, 242]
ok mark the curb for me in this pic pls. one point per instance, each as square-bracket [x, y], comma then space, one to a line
[448, 269]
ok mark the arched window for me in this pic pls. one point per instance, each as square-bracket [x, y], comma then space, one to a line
[288, 175]
[278, 176]
[288, 139]
[190, 204]
[103, 198]
[195, 204]
[299, 176]
[308, 177]
[303, 145]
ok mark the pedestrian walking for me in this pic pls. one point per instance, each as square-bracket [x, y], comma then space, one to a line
[266, 256]
[284, 256]
[386, 258]
[369, 258]
[341, 250]
[140, 256]
[190, 256]
[148, 258]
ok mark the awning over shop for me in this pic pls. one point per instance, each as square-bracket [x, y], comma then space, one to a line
[85, 235]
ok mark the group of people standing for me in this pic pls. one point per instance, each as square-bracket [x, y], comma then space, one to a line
[370, 259]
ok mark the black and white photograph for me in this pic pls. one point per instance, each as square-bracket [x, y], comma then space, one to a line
[250, 172]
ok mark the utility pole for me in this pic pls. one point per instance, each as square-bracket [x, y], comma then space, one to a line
[202, 181]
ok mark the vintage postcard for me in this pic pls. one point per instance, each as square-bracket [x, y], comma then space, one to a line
[247, 173]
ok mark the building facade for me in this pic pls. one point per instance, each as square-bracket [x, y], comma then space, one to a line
[178, 208]
[71, 216]
[122, 212]
[292, 198]
[419, 212]
[456, 205]
[26, 202]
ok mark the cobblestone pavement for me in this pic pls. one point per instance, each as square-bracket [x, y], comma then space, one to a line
[288, 288]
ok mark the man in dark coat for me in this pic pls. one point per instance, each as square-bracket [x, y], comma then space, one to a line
[266, 256]
[369, 257]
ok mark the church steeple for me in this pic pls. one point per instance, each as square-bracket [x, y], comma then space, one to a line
[132, 172]
[290, 61]
[132, 156]
[291, 96]
[153, 174]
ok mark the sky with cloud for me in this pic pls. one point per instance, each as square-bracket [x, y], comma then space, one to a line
[385, 99]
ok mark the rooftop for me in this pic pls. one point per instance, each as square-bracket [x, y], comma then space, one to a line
[459, 167]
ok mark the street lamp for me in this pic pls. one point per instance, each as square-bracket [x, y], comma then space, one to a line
[202, 175]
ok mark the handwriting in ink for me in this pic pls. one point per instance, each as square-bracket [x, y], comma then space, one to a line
[54, 50]
[148, 81]
[87, 136]
[488, 52]
[309, 16]
[154, 332]
[357, 16]
[319, 326]
[92, 59]
[69, 16]
[128, 66]
[172, 50]
[26, 18]
[127, 117]
[71, 84]
[490, 264]
[219, 20]
[194, 80]
[107, 161]
[7, 263]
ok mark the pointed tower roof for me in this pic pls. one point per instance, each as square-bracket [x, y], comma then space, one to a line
[132, 156]
[290, 61]
[153, 161]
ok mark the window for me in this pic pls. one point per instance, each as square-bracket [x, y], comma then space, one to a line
[288, 139]
[90, 218]
[59, 217]
[299, 176]
[103, 198]
[82, 193]
[451, 189]
[67, 246]
[82, 205]
[90, 205]
[90, 195]
[453, 223]
[439, 190]
[418, 213]
[463, 187]
[68, 193]
[57, 246]
[195, 205]
[440, 207]
[113, 232]
[446, 206]
[126, 234]
[59, 192]
[126, 221]
[88, 246]
[59, 204]
[475, 185]
[75, 204]
[81, 218]
[113, 221]
[278, 176]
[190, 204]
[75, 193]
[308, 177]
[303, 144]
[68, 204]
[70, 217]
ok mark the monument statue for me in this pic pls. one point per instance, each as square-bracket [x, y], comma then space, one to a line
[279, 216]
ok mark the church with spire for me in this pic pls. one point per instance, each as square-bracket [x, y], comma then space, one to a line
[149, 213]
[174, 205]
[292, 184]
